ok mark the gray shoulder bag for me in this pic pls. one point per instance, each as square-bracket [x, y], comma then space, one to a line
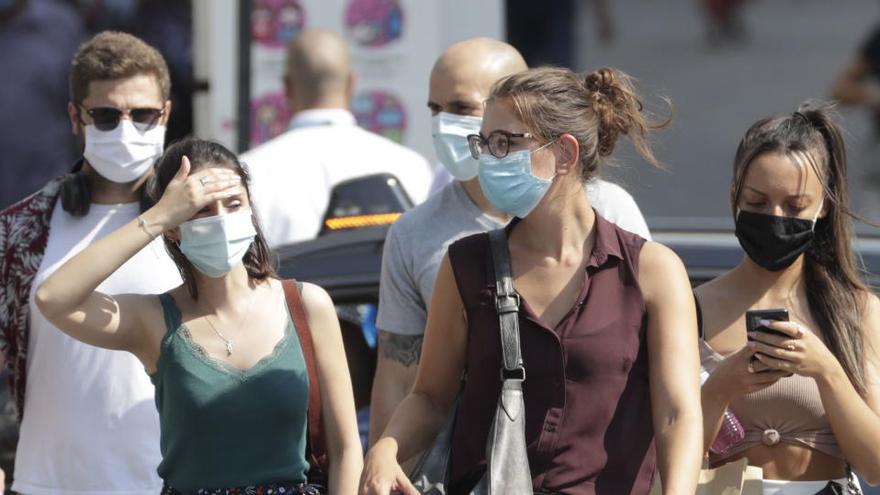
[507, 471]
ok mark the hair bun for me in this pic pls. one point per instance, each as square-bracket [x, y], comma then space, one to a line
[616, 106]
[600, 81]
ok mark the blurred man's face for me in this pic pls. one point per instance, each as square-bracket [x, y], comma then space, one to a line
[456, 93]
[10, 8]
[134, 96]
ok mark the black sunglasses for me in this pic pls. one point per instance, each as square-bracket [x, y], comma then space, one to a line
[107, 118]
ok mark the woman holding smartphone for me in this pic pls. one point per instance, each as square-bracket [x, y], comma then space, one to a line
[807, 396]
[222, 350]
[604, 315]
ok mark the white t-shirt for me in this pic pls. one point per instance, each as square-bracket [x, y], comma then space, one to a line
[617, 205]
[90, 423]
[292, 175]
[418, 240]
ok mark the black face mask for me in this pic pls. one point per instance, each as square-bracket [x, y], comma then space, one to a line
[772, 242]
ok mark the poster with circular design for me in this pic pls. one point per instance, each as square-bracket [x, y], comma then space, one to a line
[374, 23]
[270, 116]
[381, 112]
[275, 22]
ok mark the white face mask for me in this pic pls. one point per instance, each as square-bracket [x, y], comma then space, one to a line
[215, 245]
[124, 154]
[450, 133]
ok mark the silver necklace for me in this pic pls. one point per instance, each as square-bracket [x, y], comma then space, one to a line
[225, 340]
[228, 342]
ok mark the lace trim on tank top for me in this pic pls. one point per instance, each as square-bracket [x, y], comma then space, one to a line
[791, 412]
[180, 328]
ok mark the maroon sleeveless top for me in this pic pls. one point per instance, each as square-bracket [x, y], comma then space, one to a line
[588, 407]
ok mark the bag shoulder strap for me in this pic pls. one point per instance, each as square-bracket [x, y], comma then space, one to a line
[507, 305]
[700, 332]
[315, 449]
[851, 483]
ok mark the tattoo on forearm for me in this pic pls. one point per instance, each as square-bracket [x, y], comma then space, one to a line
[405, 349]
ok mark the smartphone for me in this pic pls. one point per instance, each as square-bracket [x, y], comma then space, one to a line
[754, 317]
[753, 324]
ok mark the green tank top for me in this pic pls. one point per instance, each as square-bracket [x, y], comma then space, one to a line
[222, 427]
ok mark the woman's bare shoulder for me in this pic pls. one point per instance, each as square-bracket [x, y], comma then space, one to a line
[718, 289]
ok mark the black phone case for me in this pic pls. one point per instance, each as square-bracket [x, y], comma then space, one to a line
[752, 324]
[753, 318]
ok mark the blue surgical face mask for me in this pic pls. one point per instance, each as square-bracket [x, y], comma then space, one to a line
[450, 132]
[215, 245]
[508, 182]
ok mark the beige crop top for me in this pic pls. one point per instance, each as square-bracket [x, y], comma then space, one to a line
[789, 411]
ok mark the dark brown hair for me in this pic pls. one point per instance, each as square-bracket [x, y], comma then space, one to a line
[595, 108]
[108, 55]
[115, 55]
[258, 261]
[835, 290]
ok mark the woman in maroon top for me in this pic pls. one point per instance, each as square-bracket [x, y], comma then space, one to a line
[607, 320]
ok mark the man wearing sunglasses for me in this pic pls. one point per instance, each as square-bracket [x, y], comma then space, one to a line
[416, 243]
[88, 420]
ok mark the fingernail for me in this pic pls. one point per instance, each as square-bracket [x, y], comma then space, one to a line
[764, 322]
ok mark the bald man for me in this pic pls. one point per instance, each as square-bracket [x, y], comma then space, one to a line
[460, 82]
[294, 173]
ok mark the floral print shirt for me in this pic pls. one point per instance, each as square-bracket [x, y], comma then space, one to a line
[24, 232]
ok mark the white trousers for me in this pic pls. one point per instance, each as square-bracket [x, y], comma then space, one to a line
[776, 487]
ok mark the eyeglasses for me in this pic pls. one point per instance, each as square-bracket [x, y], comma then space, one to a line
[107, 118]
[498, 143]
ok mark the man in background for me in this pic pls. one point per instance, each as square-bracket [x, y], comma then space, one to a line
[294, 173]
[859, 82]
[37, 40]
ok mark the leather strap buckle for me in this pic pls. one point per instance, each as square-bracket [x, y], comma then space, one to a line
[518, 374]
[507, 303]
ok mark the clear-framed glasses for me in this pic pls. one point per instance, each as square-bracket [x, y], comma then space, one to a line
[498, 143]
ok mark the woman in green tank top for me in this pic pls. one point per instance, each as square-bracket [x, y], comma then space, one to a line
[222, 349]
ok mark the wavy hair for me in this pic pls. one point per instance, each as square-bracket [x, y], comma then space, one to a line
[596, 108]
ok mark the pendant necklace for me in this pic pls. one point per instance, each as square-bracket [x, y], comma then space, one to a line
[225, 340]
[228, 342]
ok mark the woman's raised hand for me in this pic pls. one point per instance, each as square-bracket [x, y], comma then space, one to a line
[187, 194]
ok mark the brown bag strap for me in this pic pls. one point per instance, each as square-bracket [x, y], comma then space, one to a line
[316, 446]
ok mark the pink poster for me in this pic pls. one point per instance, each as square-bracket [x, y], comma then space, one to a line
[376, 31]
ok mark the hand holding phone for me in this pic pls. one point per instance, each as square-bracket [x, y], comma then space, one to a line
[754, 317]
[753, 323]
